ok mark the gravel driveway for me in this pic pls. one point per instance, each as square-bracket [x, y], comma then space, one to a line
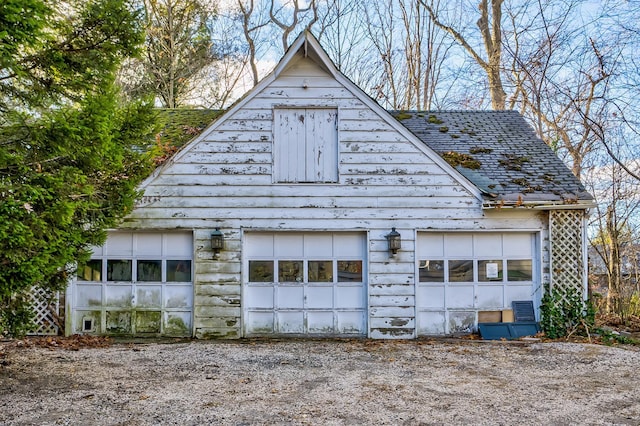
[323, 382]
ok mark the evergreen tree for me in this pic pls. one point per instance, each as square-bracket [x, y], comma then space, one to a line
[71, 152]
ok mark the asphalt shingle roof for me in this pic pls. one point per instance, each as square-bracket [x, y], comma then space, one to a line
[499, 153]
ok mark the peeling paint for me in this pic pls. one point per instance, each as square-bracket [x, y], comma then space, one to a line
[351, 329]
[267, 329]
[462, 322]
[398, 322]
[232, 300]
[322, 330]
[394, 332]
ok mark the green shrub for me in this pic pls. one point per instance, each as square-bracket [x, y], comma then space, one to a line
[565, 312]
[16, 316]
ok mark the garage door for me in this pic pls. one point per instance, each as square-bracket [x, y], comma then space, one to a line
[463, 273]
[304, 283]
[138, 284]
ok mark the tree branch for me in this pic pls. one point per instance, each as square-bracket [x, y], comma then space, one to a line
[456, 35]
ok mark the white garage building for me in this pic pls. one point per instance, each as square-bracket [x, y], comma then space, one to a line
[280, 219]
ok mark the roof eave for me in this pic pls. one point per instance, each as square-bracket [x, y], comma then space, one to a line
[539, 205]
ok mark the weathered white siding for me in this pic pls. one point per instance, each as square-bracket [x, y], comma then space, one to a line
[226, 179]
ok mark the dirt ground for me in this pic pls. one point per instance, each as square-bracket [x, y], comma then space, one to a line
[319, 382]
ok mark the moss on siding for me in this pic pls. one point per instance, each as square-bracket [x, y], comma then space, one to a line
[148, 321]
[175, 326]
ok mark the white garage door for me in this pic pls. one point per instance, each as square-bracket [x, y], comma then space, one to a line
[304, 283]
[463, 273]
[137, 284]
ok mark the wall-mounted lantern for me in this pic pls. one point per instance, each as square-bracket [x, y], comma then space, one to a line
[395, 241]
[217, 241]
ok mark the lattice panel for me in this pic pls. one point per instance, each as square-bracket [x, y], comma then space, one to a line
[46, 307]
[567, 257]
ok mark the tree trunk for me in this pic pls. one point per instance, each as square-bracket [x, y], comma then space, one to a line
[490, 27]
[613, 268]
[491, 31]
[498, 95]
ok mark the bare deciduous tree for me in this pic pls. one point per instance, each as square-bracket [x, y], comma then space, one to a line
[288, 28]
[178, 47]
[559, 82]
[218, 84]
[261, 22]
[617, 231]
[339, 28]
[490, 27]
[410, 53]
[251, 31]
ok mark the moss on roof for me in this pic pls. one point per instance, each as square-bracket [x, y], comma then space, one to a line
[461, 159]
[180, 125]
[434, 120]
[403, 116]
[499, 152]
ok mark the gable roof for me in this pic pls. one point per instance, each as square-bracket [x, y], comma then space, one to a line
[499, 153]
[495, 155]
[307, 46]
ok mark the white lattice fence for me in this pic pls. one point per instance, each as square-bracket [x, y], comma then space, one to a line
[567, 257]
[46, 307]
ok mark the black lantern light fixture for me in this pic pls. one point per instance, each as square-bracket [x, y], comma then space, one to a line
[395, 241]
[217, 241]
